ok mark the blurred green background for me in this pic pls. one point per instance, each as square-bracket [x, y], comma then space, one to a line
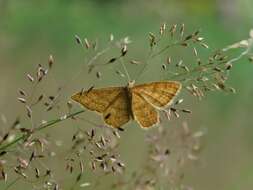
[32, 30]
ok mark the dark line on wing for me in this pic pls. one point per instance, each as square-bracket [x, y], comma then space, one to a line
[88, 95]
[161, 104]
[107, 115]
[138, 120]
[110, 103]
[138, 94]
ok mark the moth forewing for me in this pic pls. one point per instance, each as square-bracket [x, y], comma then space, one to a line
[159, 94]
[178, 89]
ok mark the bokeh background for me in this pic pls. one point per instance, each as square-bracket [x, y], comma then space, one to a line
[32, 30]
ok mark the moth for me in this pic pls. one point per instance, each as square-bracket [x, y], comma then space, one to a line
[118, 105]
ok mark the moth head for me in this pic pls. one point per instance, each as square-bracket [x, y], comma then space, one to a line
[131, 84]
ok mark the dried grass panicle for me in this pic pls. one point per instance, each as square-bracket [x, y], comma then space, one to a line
[24, 151]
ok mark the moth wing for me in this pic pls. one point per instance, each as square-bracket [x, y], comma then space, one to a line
[119, 112]
[97, 99]
[112, 102]
[144, 113]
[159, 94]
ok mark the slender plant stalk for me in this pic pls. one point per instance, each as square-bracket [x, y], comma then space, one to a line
[165, 48]
[42, 126]
[12, 183]
[152, 56]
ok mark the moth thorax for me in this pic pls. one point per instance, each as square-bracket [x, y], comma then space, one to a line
[131, 84]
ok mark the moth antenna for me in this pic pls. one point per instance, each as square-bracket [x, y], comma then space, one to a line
[143, 69]
[125, 70]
